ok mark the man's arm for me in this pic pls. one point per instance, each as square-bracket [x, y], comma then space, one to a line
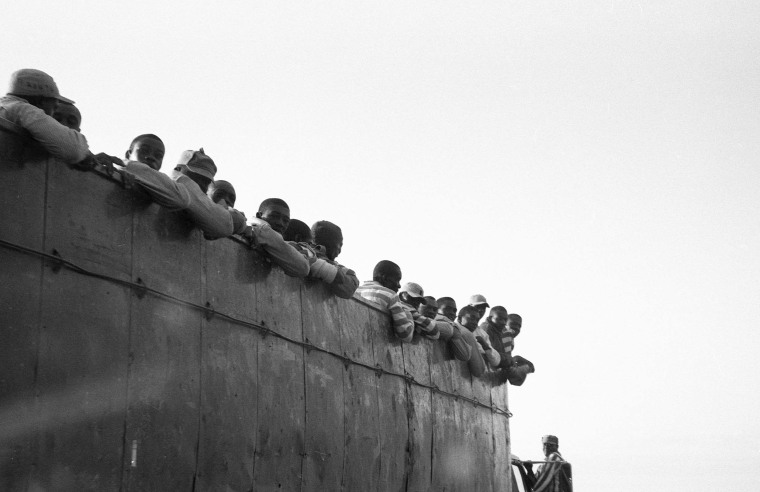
[403, 323]
[161, 188]
[425, 325]
[489, 354]
[213, 219]
[459, 346]
[61, 142]
[345, 283]
[286, 256]
[476, 364]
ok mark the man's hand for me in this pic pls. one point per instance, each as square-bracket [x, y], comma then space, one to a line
[85, 164]
[483, 343]
[108, 162]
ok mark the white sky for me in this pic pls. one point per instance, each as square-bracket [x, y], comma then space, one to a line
[592, 166]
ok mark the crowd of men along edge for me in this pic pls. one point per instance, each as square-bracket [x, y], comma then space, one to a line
[34, 103]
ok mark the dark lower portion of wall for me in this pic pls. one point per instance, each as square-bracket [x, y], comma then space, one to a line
[135, 355]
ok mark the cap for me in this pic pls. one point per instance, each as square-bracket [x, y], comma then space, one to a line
[198, 162]
[477, 300]
[414, 290]
[549, 439]
[31, 82]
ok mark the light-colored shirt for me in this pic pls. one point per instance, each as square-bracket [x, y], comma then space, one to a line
[451, 334]
[403, 324]
[61, 142]
[182, 193]
[422, 324]
[476, 364]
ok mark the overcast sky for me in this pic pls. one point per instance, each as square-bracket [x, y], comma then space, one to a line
[592, 166]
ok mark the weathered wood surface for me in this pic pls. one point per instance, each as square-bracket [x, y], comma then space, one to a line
[109, 387]
[22, 209]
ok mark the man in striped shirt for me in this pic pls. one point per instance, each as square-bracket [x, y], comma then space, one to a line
[411, 297]
[502, 328]
[386, 280]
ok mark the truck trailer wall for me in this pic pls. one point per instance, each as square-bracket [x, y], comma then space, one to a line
[136, 355]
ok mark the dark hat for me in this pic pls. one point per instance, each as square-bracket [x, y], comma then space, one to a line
[31, 82]
[198, 162]
[549, 439]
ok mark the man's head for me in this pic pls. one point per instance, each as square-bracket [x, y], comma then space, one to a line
[222, 192]
[428, 308]
[38, 88]
[412, 294]
[148, 149]
[468, 317]
[387, 274]
[328, 235]
[479, 302]
[199, 167]
[498, 316]
[514, 323]
[447, 307]
[297, 231]
[276, 213]
[68, 115]
[551, 444]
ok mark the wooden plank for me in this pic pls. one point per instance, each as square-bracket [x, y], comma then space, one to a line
[501, 439]
[358, 333]
[93, 231]
[22, 205]
[361, 464]
[280, 443]
[22, 199]
[452, 462]
[82, 383]
[417, 359]
[164, 379]
[13, 140]
[324, 315]
[421, 434]
[481, 388]
[20, 289]
[443, 368]
[278, 300]
[324, 428]
[229, 374]
[481, 445]
[228, 406]
[229, 274]
[394, 429]
[166, 251]
[502, 471]
[388, 349]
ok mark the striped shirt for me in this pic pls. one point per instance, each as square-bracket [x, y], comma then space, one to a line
[422, 324]
[403, 323]
[502, 340]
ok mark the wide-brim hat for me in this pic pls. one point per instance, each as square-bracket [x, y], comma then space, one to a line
[33, 82]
